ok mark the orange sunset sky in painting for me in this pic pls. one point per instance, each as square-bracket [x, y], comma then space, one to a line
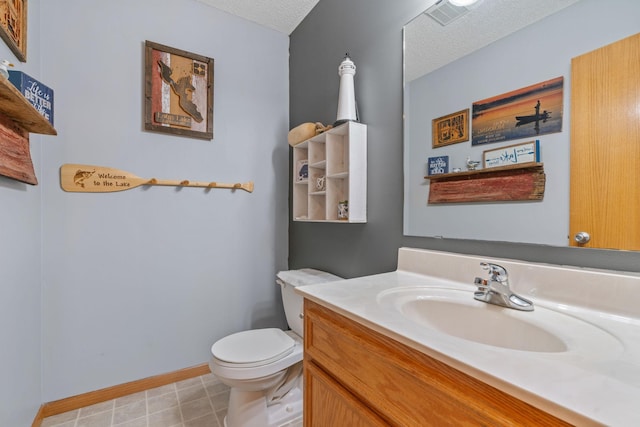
[496, 119]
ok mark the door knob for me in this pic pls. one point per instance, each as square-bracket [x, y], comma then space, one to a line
[582, 237]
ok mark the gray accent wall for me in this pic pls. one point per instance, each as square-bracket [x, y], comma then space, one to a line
[371, 31]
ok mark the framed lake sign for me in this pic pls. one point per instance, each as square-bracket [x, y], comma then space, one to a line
[527, 112]
[178, 92]
[526, 152]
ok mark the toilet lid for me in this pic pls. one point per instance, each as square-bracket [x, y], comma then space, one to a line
[254, 347]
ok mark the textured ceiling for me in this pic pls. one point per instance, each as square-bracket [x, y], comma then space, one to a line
[280, 15]
[428, 45]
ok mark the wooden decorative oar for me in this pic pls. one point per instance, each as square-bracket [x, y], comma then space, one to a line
[100, 179]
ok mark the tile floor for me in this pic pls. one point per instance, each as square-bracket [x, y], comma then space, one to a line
[196, 402]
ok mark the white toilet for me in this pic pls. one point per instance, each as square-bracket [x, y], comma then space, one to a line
[263, 367]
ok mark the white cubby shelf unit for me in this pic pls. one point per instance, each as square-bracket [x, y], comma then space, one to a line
[339, 155]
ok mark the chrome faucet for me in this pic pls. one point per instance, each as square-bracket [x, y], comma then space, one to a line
[496, 290]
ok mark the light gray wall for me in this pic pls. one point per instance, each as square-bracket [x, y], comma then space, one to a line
[20, 261]
[142, 282]
[371, 30]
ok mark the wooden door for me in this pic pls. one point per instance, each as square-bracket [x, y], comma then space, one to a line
[605, 146]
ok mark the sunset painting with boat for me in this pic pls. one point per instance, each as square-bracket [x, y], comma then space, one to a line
[530, 111]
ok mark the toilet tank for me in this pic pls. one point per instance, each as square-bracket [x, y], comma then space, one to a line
[293, 302]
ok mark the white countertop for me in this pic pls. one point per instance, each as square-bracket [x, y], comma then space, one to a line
[594, 382]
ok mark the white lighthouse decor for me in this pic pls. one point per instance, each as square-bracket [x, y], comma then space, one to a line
[347, 111]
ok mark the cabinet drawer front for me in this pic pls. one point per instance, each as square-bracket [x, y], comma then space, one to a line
[344, 408]
[405, 386]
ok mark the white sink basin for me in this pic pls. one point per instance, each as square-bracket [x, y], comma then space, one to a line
[456, 313]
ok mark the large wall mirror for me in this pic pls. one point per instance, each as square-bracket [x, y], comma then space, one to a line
[496, 47]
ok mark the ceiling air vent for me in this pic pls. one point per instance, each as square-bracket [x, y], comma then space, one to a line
[445, 13]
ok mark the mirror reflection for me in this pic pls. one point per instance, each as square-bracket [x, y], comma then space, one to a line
[496, 47]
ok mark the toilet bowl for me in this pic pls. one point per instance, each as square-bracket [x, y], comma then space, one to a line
[263, 367]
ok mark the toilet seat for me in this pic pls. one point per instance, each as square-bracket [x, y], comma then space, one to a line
[252, 348]
[242, 372]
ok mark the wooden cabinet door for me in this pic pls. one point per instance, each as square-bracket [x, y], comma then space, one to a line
[327, 404]
[605, 146]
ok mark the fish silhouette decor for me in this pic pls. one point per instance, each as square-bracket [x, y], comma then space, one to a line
[184, 89]
[178, 92]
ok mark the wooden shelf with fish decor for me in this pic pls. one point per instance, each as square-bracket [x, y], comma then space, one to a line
[524, 181]
[17, 118]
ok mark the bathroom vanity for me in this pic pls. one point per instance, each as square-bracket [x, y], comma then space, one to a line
[397, 384]
[413, 348]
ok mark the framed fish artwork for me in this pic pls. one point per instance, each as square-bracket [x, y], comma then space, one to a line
[178, 92]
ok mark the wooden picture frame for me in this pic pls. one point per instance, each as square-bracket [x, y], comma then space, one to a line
[13, 26]
[178, 92]
[450, 129]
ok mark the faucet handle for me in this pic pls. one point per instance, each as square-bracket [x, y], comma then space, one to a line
[481, 283]
[497, 272]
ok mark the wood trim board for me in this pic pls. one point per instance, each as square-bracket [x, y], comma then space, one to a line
[499, 184]
[109, 393]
